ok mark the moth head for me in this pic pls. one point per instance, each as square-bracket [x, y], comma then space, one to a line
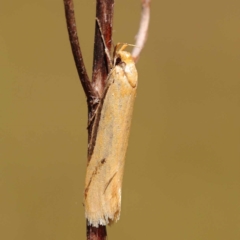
[125, 61]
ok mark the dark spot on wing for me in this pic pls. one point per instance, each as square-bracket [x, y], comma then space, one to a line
[103, 161]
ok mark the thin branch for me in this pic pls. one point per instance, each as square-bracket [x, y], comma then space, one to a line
[104, 14]
[96, 233]
[143, 30]
[76, 50]
[103, 28]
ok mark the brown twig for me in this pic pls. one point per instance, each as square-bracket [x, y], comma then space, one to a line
[104, 14]
[76, 50]
[141, 36]
[96, 233]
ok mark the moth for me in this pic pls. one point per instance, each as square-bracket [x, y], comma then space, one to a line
[111, 127]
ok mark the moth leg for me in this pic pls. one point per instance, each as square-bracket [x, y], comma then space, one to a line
[90, 119]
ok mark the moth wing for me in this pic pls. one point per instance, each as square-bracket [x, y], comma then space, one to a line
[105, 169]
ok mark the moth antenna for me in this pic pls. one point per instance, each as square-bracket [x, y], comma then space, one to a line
[105, 46]
[116, 51]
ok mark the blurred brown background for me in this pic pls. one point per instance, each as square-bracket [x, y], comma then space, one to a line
[182, 176]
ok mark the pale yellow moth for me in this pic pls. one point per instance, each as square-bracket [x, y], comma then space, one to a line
[103, 184]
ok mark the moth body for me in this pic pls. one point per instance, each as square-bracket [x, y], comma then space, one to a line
[103, 184]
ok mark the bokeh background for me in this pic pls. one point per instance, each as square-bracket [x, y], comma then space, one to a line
[182, 176]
